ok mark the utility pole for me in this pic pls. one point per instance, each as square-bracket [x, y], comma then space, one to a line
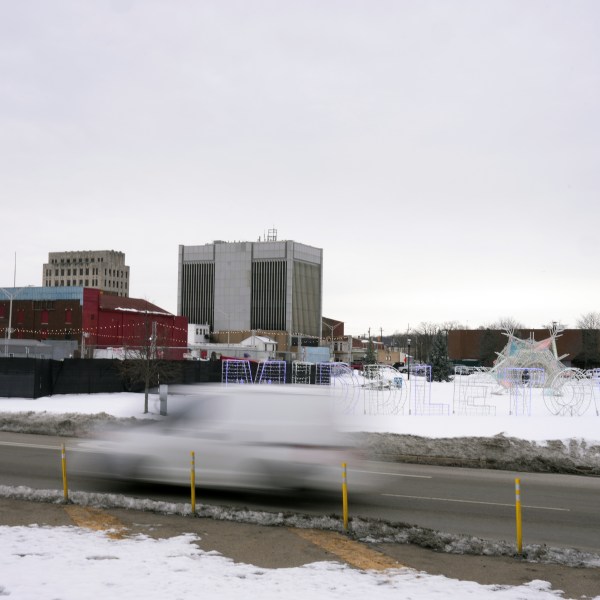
[11, 299]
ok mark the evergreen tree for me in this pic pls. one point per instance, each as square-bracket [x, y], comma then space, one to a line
[438, 358]
[492, 341]
[370, 356]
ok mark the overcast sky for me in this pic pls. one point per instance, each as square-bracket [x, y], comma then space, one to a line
[444, 154]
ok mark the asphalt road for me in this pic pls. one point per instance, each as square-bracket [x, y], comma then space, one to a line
[558, 510]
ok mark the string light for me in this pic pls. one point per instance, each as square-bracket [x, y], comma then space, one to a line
[174, 333]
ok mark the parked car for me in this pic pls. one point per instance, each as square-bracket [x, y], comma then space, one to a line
[243, 437]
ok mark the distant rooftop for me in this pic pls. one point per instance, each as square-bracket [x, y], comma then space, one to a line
[43, 293]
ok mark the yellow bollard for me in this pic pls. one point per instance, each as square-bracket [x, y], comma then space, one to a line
[344, 496]
[518, 515]
[63, 460]
[193, 482]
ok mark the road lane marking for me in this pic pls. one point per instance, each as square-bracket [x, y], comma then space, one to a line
[475, 502]
[25, 445]
[393, 474]
[354, 553]
[97, 520]
[46, 447]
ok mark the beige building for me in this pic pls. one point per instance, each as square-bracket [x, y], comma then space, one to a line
[102, 269]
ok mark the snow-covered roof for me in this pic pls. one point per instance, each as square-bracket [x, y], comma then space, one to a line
[253, 340]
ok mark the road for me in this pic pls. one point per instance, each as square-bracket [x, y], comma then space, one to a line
[558, 510]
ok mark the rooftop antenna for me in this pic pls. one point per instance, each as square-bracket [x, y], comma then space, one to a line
[272, 235]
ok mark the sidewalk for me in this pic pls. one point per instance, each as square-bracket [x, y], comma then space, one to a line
[281, 547]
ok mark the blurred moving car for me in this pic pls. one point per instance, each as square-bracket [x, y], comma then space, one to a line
[243, 437]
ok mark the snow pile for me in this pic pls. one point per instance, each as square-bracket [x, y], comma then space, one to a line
[361, 529]
[65, 424]
[573, 456]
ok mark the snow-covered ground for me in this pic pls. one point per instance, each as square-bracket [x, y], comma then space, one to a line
[73, 563]
[37, 558]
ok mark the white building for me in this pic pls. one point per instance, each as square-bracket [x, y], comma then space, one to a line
[243, 286]
[255, 347]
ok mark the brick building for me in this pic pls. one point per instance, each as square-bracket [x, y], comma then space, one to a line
[94, 318]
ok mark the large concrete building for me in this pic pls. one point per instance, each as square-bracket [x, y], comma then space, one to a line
[244, 286]
[101, 269]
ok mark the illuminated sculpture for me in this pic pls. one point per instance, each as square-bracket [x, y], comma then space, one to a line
[270, 372]
[529, 354]
[526, 364]
[236, 371]
[301, 372]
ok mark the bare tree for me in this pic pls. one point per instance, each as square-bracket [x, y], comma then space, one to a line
[508, 323]
[589, 320]
[424, 335]
[451, 326]
[554, 326]
[145, 362]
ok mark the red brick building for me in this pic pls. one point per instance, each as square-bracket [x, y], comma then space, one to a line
[94, 318]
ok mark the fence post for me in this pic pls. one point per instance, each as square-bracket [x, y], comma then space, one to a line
[518, 516]
[193, 481]
[63, 460]
[344, 497]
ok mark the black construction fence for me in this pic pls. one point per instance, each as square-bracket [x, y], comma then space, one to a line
[37, 377]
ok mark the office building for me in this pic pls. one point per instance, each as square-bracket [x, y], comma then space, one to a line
[100, 269]
[249, 286]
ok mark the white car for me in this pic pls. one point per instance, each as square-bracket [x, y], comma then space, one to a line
[242, 436]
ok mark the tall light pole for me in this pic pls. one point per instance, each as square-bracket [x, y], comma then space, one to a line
[408, 358]
[331, 330]
[8, 332]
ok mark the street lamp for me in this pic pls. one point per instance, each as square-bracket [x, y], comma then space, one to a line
[408, 359]
[332, 328]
